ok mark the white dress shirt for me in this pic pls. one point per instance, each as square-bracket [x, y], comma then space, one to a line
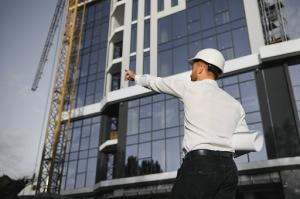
[211, 116]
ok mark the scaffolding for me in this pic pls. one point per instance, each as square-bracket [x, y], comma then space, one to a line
[51, 168]
[273, 20]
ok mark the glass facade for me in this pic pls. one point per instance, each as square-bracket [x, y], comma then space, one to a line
[155, 127]
[294, 72]
[81, 153]
[243, 88]
[92, 60]
[154, 134]
[203, 24]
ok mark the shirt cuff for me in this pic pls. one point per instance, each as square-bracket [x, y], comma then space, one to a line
[140, 80]
[136, 78]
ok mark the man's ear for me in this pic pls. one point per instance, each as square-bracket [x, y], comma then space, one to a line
[200, 68]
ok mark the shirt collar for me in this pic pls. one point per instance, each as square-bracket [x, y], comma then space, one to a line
[209, 81]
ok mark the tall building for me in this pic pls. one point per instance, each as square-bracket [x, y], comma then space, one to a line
[125, 140]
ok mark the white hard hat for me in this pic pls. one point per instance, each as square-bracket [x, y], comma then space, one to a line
[211, 56]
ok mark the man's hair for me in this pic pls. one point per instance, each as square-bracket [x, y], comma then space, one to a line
[215, 70]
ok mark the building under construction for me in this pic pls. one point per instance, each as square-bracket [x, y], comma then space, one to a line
[109, 138]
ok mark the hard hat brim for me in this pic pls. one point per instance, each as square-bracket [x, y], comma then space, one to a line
[191, 60]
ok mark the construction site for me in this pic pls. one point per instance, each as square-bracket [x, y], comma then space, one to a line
[109, 138]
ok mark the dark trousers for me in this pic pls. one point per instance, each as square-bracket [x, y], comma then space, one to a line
[206, 177]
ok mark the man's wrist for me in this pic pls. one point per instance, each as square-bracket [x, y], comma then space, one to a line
[137, 79]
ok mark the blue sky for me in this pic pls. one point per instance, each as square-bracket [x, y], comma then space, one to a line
[24, 26]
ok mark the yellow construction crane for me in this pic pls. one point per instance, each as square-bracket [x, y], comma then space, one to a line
[51, 167]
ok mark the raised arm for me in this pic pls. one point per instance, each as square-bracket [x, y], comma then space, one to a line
[175, 87]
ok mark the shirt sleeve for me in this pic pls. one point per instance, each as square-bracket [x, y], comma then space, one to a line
[175, 87]
[242, 124]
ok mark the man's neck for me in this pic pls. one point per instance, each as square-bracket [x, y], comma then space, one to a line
[206, 78]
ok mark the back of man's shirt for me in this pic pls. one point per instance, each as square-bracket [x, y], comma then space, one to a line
[211, 115]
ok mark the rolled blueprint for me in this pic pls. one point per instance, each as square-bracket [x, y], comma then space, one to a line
[248, 141]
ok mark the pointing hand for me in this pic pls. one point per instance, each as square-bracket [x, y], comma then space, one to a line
[129, 75]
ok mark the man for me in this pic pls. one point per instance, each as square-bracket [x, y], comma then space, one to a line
[211, 116]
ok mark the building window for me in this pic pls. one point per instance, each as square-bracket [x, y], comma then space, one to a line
[243, 88]
[147, 34]
[118, 49]
[115, 81]
[179, 31]
[160, 5]
[81, 153]
[174, 3]
[111, 156]
[154, 135]
[134, 9]
[165, 63]
[110, 166]
[211, 24]
[164, 30]
[180, 59]
[133, 38]
[132, 66]
[147, 7]
[146, 65]
[294, 72]
[173, 61]
[239, 36]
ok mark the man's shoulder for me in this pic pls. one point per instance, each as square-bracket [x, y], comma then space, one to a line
[231, 98]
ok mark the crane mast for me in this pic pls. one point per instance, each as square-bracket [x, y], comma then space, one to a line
[51, 167]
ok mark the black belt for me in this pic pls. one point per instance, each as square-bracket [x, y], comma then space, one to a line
[206, 152]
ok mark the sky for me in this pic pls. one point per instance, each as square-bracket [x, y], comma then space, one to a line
[23, 29]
